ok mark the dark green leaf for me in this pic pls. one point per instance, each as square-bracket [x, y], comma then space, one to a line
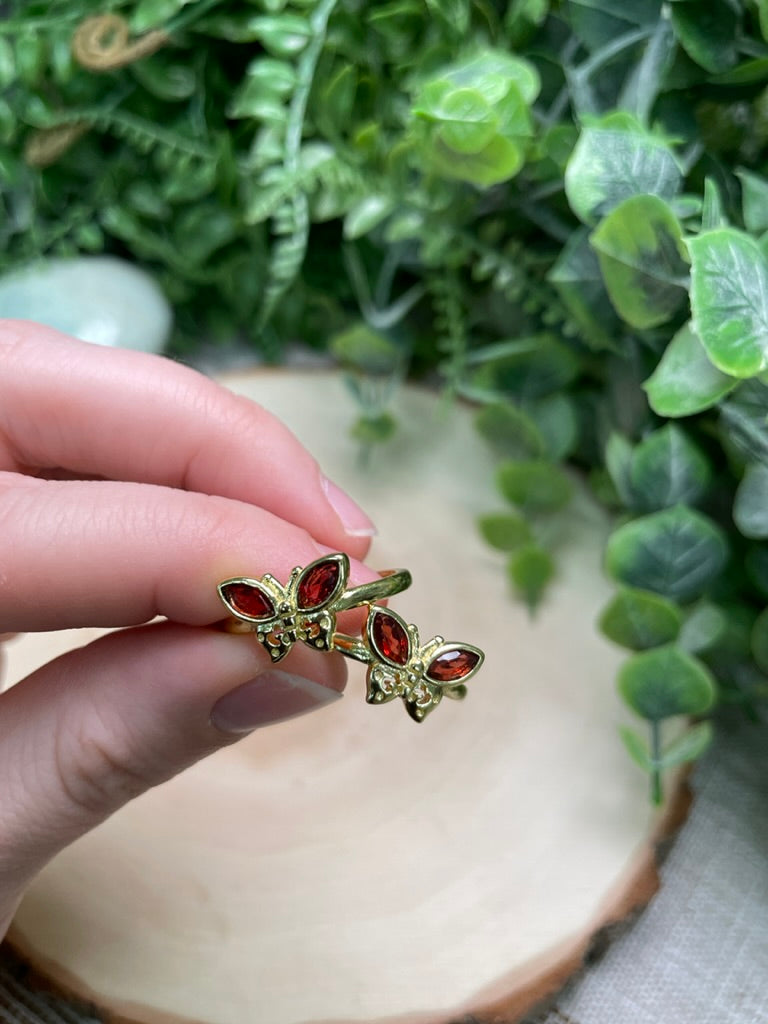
[729, 300]
[531, 569]
[639, 619]
[685, 381]
[556, 418]
[668, 469]
[665, 682]
[707, 32]
[643, 260]
[618, 462]
[505, 531]
[760, 640]
[750, 507]
[676, 552]
[754, 200]
[534, 486]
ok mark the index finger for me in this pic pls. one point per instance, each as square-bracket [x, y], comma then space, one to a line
[134, 417]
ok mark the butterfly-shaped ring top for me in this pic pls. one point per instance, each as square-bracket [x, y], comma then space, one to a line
[306, 607]
[421, 676]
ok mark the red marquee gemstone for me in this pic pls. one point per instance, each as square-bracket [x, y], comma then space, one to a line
[452, 666]
[390, 638]
[318, 584]
[249, 600]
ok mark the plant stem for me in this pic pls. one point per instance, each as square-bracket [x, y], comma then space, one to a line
[656, 791]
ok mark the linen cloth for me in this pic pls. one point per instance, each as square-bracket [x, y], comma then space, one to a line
[697, 955]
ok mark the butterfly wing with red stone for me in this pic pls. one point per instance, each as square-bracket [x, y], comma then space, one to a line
[391, 641]
[447, 669]
[314, 590]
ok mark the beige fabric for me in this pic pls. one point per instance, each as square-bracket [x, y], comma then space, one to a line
[699, 953]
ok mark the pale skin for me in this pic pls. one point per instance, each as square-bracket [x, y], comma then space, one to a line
[129, 486]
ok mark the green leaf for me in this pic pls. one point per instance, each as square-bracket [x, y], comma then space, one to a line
[534, 486]
[643, 260]
[729, 300]
[707, 32]
[498, 161]
[149, 14]
[557, 420]
[639, 619]
[618, 462]
[612, 162]
[282, 35]
[685, 381]
[637, 748]
[750, 506]
[665, 682]
[363, 349]
[687, 747]
[756, 564]
[366, 215]
[676, 552]
[579, 281]
[371, 430]
[702, 629]
[668, 469]
[505, 531]
[754, 201]
[744, 423]
[759, 640]
[525, 368]
[530, 570]
[510, 432]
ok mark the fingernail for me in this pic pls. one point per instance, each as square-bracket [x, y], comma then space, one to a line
[271, 697]
[355, 522]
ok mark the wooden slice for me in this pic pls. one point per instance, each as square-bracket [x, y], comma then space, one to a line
[353, 866]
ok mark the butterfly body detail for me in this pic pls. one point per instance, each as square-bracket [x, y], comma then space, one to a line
[420, 675]
[301, 610]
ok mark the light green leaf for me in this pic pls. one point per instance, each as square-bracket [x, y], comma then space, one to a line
[685, 381]
[534, 486]
[668, 469]
[703, 628]
[637, 748]
[687, 747]
[665, 682]
[611, 163]
[750, 506]
[712, 215]
[754, 201]
[643, 260]
[510, 431]
[676, 552]
[361, 348]
[530, 570]
[729, 300]
[639, 619]
[505, 531]
[366, 215]
[498, 161]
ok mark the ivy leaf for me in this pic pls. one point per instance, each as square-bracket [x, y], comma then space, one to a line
[510, 432]
[744, 421]
[643, 260]
[530, 570]
[687, 747]
[685, 381]
[534, 486]
[729, 300]
[665, 682]
[638, 619]
[637, 748]
[613, 160]
[676, 553]
[668, 469]
[750, 506]
[505, 531]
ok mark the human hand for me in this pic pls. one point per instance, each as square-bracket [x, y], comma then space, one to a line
[129, 486]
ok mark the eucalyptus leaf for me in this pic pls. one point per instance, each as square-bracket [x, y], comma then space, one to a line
[676, 553]
[639, 619]
[750, 506]
[685, 381]
[505, 531]
[614, 161]
[637, 748]
[665, 682]
[703, 627]
[729, 300]
[531, 569]
[535, 486]
[689, 746]
[643, 260]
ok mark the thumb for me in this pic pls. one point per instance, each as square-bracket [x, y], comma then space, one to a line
[100, 725]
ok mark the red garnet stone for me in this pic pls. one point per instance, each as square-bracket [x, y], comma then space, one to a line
[317, 585]
[452, 666]
[390, 638]
[248, 600]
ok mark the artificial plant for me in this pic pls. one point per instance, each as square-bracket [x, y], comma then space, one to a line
[560, 207]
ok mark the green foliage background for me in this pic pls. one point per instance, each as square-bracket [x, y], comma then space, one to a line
[560, 207]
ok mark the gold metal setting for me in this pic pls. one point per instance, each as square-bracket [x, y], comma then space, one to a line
[305, 610]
